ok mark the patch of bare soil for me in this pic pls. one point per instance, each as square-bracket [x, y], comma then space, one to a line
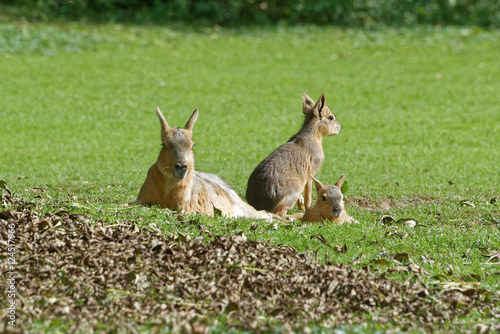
[387, 203]
[71, 268]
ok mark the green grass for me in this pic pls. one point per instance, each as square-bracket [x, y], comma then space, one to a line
[418, 109]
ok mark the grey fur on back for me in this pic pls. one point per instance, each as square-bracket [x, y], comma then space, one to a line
[271, 182]
[279, 180]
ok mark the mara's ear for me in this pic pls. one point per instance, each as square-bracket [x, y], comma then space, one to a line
[190, 123]
[163, 122]
[319, 105]
[308, 104]
[340, 181]
[318, 184]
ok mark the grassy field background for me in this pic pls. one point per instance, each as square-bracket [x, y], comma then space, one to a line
[419, 110]
[414, 104]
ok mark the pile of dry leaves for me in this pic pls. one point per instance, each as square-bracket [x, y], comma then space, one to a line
[69, 267]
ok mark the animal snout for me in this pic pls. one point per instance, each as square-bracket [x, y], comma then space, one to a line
[180, 167]
[337, 213]
[180, 170]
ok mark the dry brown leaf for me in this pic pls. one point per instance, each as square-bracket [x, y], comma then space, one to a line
[254, 226]
[3, 185]
[492, 256]
[398, 269]
[88, 271]
[341, 249]
[401, 257]
[321, 239]
[387, 220]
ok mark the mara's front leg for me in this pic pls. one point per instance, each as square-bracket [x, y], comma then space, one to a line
[286, 204]
[308, 194]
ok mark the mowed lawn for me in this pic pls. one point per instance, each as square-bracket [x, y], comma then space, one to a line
[419, 109]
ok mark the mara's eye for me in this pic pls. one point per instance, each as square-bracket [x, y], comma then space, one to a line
[330, 117]
[323, 197]
[164, 147]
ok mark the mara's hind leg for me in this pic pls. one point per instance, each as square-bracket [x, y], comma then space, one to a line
[285, 204]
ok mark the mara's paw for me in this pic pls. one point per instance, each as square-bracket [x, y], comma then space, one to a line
[301, 203]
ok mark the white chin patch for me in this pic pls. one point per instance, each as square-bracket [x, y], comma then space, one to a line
[180, 175]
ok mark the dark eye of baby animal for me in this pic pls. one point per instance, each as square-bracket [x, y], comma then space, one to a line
[164, 147]
[323, 198]
[330, 118]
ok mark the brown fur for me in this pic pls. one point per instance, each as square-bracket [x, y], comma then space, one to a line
[330, 204]
[173, 183]
[279, 180]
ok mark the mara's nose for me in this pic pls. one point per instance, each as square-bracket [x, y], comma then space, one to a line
[180, 167]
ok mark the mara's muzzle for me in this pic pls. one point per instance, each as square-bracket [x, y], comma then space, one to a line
[180, 170]
[337, 213]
